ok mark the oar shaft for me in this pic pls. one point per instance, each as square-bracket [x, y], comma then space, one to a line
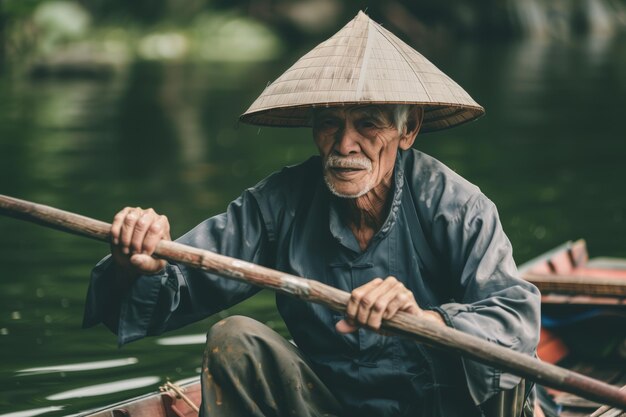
[55, 218]
[314, 291]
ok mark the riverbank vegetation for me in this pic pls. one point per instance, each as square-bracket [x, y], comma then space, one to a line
[95, 37]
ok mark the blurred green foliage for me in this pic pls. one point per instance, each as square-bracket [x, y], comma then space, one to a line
[29, 28]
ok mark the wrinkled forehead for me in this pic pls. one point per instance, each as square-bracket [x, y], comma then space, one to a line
[380, 112]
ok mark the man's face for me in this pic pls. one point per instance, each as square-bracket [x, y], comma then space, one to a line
[358, 146]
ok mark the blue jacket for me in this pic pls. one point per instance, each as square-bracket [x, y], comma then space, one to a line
[442, 238]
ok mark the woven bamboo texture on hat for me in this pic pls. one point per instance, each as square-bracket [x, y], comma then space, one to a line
[363, 63]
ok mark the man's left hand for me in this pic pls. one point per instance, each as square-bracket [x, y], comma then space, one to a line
[381, 299]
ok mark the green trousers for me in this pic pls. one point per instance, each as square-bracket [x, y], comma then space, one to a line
[250, 370]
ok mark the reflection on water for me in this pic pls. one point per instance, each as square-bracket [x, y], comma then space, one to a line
[75, 367]
[33, 412]
[549, 152]
[190, 339]
[104, 389]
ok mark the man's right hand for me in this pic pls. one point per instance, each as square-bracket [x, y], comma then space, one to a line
[135, 234]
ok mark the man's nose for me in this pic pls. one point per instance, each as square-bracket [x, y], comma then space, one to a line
[346, 141]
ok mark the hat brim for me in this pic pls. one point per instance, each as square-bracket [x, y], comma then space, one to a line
[436, 116]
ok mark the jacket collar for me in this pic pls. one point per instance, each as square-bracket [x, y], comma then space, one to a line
[342, 232]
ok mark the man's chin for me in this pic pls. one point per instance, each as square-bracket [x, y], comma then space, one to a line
[346, 192]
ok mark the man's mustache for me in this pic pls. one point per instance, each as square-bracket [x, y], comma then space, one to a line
[359, 162]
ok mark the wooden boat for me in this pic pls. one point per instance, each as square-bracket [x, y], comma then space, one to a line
[583, 322]
[577, 294]
[173, 400]
[566, 275]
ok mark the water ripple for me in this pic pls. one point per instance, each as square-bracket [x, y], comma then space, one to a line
[74, 367]
[32, 412]
[191, 339]
[104, 389]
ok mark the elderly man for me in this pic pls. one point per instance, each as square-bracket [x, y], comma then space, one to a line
[369, 215]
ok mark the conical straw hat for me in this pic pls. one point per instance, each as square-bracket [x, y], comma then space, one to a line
[363, 63]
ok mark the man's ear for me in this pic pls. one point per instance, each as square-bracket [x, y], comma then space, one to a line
[413, 125]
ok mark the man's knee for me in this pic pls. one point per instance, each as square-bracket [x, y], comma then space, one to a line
[232, 338]
[233, 327]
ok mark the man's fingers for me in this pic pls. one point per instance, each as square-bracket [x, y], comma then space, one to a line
[375, 301]
[116, 226]
[378, 300]
[142, 227]
[413, 308]
[147, 264]
[343, 326]
[159, 229]
[354, 303]
[387, 293]
[405, 301]
[137, 232]
[128, 228]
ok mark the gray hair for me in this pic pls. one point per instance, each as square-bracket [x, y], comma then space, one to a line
[399, 113]
[400, 116]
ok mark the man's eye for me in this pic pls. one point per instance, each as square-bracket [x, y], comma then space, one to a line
[327, 123]
[368, 124]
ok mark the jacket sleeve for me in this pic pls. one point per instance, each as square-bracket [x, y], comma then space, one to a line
[152, 304]
[492, 302]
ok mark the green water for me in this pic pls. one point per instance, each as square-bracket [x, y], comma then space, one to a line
[549, 152]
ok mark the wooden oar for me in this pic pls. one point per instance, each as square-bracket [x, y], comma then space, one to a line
[402, 323]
